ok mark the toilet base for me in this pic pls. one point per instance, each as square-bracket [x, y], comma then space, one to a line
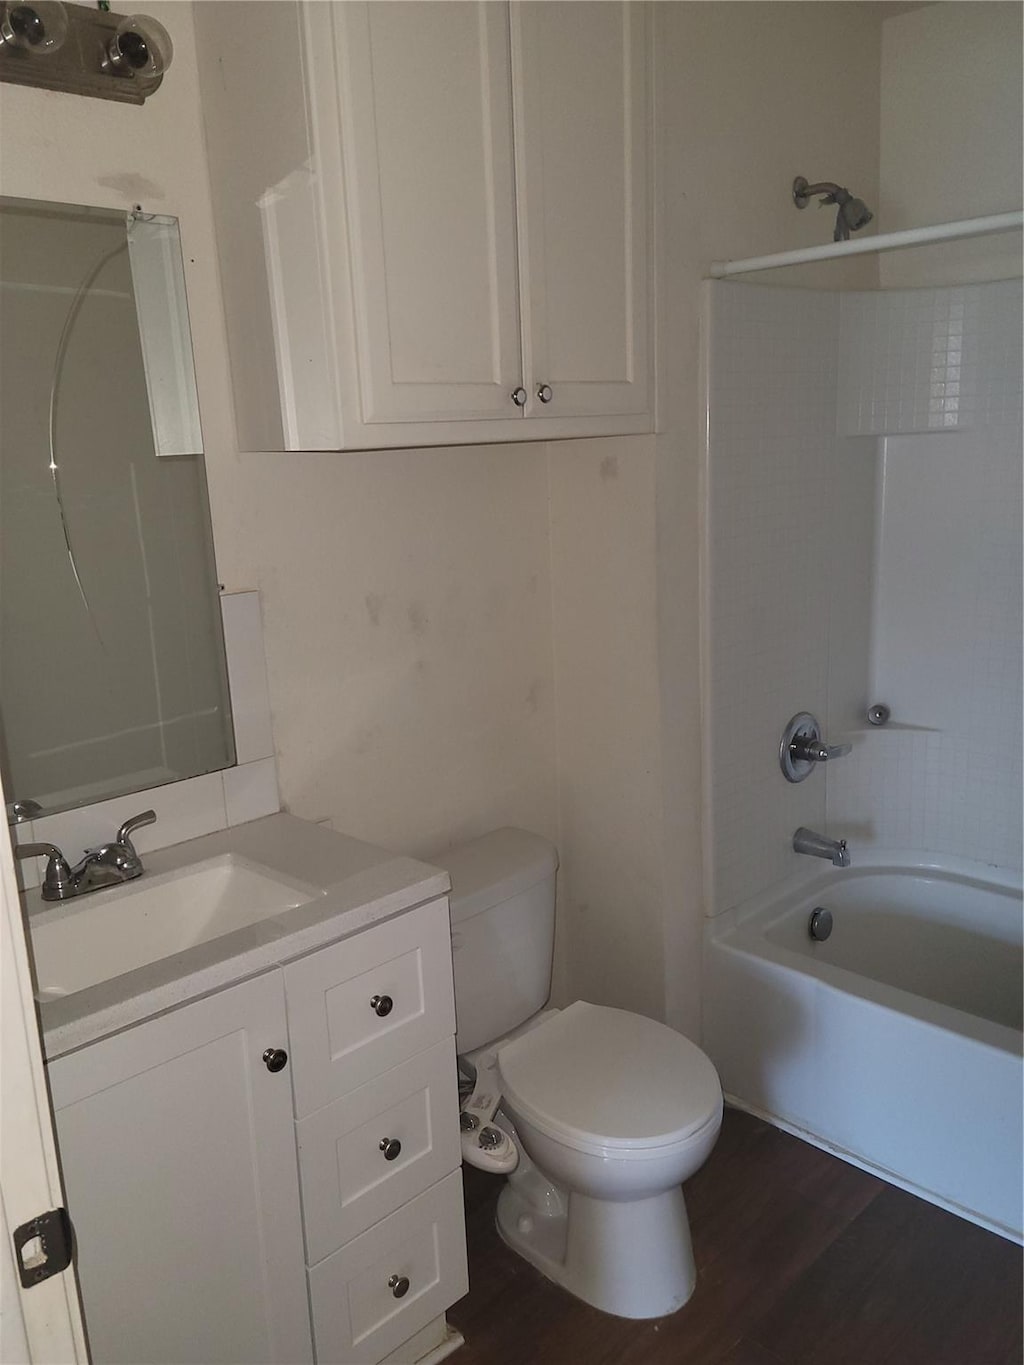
[633, 1259]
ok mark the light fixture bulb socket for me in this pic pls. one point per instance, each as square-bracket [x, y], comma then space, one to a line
[141, 47]
[38, 29]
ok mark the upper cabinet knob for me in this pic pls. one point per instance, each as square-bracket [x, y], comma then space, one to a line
[519, 397]
[544, 393]
[276, 1058]
[382, 1005]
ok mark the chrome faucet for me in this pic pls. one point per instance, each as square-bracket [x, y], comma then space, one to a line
[806, 841]
[109, 865]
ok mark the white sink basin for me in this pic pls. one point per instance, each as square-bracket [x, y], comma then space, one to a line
[106, 933]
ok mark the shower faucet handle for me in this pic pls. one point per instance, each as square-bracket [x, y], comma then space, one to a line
[815, 751]
[802, 746]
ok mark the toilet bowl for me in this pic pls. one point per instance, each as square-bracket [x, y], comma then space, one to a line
[610, 1111]
[614, 1112]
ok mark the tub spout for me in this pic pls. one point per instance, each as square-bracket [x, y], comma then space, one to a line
[806, 841]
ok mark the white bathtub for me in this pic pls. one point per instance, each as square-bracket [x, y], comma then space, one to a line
[897, 1042]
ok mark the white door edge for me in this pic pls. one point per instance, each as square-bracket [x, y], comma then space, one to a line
[42, 1324]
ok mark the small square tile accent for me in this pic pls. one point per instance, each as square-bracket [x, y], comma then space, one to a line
[250, 791]
[247, 676]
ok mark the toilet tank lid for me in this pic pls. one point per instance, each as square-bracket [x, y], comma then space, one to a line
[494, 868]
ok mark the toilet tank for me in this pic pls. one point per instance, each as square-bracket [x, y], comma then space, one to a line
[503, 929]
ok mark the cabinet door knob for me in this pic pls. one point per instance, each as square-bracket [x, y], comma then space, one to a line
[519, 397]
[544, 393]
[391, 1147]
[399, 1285]
[382, 1005]
[276, 1058]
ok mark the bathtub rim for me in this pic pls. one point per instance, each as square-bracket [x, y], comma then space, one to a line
[813, 878]
[742, 929]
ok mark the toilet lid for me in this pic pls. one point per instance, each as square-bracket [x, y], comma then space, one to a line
[590, 1075]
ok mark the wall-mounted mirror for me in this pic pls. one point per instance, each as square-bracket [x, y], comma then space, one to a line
[112, 670]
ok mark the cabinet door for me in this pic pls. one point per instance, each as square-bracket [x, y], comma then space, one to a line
[179, 1162]
[582, 128]
[424, 107]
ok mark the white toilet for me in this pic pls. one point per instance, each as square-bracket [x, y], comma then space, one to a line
[607, 1111]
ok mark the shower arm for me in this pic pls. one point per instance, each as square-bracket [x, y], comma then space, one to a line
[804, 193]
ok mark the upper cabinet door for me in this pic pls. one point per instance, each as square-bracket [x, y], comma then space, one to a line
[582, 127]
[424, 107]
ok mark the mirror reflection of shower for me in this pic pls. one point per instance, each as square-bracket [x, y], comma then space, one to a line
[852, 214]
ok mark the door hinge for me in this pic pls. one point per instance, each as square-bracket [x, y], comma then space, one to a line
[42, 1247]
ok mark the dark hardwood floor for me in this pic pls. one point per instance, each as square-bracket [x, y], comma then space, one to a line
[801, 1260]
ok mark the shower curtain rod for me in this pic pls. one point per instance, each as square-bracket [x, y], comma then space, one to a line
[886, 241]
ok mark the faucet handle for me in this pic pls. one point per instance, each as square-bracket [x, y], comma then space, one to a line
[817, 751]
[39, 851]
[57, 880]
[802, 746]
[134, 822]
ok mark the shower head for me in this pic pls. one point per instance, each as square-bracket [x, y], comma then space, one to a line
[852, 215]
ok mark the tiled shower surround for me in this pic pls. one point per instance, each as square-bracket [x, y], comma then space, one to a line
[864, 481]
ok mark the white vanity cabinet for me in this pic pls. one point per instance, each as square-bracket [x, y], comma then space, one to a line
[186, 1138]
[434, 219]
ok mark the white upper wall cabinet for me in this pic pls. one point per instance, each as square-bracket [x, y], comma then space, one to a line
[433, 219]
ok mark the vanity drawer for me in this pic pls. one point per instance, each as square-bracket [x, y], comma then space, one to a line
[368, 1003]
[356, 1316]
[349, 1182]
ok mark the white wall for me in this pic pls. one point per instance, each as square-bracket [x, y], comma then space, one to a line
[406, 597]
[951, 136]
[407, 609]
[441, 719]
[603, 498]
[739, 116]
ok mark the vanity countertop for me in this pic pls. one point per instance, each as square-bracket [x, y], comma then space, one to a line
[351, 885]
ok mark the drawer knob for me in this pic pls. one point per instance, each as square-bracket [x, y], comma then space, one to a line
[382, 1005]
[276, 1058]
[399, 1285]
[391, 1148]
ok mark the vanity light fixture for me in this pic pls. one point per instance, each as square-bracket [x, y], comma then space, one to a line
[88, 51]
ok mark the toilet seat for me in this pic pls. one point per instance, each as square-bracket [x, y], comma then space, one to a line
[610, 1083]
